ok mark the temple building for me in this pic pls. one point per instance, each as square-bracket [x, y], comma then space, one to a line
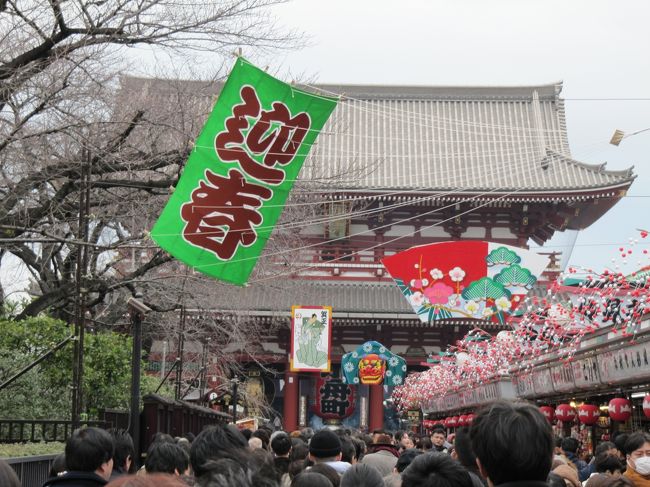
[396, 167]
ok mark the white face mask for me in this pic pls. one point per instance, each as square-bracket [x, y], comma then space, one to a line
[642, 465]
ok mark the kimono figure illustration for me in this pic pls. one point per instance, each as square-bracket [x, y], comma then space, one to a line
[310, 335]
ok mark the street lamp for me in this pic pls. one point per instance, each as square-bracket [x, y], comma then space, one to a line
[137, 311]
[619, 135]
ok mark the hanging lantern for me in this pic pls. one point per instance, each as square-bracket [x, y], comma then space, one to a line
[447, 422]
[620, 409]
[470, 419]
[462, 420]
[548, 412]
[565, 413]
[453, 421]
[646, 406]
[588, 414]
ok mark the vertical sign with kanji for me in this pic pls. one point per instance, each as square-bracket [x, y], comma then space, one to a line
[240, 173]
[334, 398]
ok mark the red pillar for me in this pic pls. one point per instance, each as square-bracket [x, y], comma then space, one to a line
[376, 407]
[290, 406]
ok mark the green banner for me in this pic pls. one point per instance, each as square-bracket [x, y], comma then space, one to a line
[239, 175]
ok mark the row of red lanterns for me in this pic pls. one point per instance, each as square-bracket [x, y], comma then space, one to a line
[452, 421]
[619, 409]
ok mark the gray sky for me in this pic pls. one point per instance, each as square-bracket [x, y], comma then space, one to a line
[599, 49]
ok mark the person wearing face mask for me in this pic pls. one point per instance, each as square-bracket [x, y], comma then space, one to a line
[637, 453]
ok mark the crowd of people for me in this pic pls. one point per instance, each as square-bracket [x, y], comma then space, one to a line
[509, 444]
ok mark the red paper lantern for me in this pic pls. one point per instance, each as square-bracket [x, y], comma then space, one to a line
[462, 420]
[565, 413]
[620, 409]
[588, 414]
[453, 421]
[548, 412]
[447, 422]
[470, 418]
[646, 406]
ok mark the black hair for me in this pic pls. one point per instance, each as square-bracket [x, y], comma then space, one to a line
[399, 434]
[214, 443]
[123, 450]
[362, 475]
[8, 477]
[165, 457]
[424, 443]
[513, 441]
[281, 444]
[558, 442]
[603, 447]
[58, 465]
[329, 472]
[619, 440]
[406, 458]
[247, 433]
[348, 450]
[359, 448]
[163, 437]
[311, 479]
[438, 430]
[88, 449]
[435, 470]
[570, 444]
[605, 462]
[463, 447]
[554, 480]
[636, 441]
[225, 472]
[299, 451]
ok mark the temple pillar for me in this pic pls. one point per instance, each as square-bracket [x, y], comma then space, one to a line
[376, 407]
[290, 404]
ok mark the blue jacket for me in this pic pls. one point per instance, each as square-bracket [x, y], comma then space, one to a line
[583, 469]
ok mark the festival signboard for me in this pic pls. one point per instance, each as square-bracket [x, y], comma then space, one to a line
[311, 339]
[465, 279]
[240, 172]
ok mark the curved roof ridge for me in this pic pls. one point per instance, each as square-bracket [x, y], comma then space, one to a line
[549, 91]
[600, 168]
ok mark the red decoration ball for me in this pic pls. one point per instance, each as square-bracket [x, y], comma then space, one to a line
[548, 412]
[565, 413]
[646, 406]
[588, 414]
[620, 409]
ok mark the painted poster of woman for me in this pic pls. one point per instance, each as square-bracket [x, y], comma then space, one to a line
[311, 338]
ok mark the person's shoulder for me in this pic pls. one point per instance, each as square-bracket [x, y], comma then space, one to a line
[76, 479]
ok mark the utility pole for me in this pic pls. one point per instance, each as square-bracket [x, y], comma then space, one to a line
[137, 311]
[235, 383]
[179, 354]
[81, 291]
[204, 369]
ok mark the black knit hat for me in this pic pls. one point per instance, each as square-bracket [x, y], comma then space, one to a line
[325, 444]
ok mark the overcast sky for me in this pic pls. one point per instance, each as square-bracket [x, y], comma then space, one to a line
[599, 49]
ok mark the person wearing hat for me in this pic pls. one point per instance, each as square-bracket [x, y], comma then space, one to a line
[384, 455]
[325, 447]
